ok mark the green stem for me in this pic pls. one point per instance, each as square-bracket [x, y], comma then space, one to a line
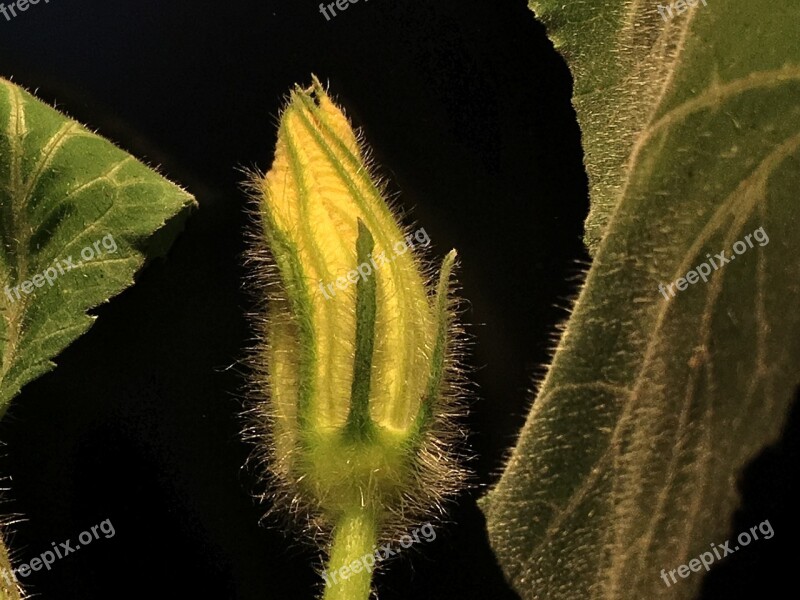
[348, 575]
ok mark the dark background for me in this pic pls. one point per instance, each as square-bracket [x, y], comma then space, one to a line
[466, 106]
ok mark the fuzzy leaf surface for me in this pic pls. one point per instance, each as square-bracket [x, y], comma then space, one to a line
[628, 461]
[630, 67]
[64, 189]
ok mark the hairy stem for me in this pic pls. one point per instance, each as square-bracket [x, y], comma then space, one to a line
[349, 572]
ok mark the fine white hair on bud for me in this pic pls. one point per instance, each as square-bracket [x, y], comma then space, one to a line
[356, 384]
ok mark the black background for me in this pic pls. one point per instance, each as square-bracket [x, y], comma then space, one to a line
[466, 106]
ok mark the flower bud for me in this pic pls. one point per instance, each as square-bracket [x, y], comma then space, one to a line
[358, 359]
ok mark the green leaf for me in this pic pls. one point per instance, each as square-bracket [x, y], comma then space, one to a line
[631, 67]
[628, 461]
[67, 198]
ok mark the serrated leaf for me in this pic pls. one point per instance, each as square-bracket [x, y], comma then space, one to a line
[628, 461]
[64, 189]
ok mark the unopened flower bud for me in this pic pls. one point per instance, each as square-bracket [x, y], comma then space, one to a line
[358, 360]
